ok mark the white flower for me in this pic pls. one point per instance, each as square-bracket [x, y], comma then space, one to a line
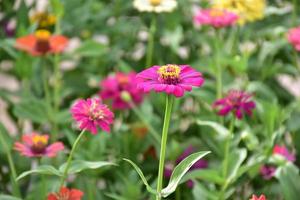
[155, 5]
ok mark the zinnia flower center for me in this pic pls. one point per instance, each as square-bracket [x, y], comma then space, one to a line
[39, 143]
[216, 13]
[169, 74]
[95, 113]
[42, 41]
[155, 2]
[63, 196]
[123, 80]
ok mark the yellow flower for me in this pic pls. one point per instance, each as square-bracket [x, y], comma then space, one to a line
[155, 5]
[248, 10]
[43, 19]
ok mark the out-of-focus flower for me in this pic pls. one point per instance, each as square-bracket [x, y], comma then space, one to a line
[261, 197]
[43, 19]
[283, 151]
[171, 79]
[121, 88]
[9, 31]
[139, 130]
[267, 172]
[91, 113]
[36, 145]
[41, 43]
[155, 5]
[200, 164]
[237, 102]
[294, 37]
[247, 10]
[150, 153]
[66, 194]
[215, 17]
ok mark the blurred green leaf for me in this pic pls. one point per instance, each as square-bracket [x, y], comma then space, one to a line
[236, 159]
[180, 170]
[33, 109]
[77, 166]
[139, 171]
[8, 197]
[209, 175]
[42, 169]
[289, 179]
[221, 130]
[91, 48]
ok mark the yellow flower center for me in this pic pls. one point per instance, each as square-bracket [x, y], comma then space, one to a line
[169, 74]
[43, 19]
[39, 143]
[155, 2]
[216, 13]
[95, 113]
[42, 35]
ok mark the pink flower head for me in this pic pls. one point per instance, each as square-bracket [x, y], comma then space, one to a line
[36, 145]
[217, 18]
[267, 172]
[261, 197]
[118, 86]
[294, 37]
[91, 113]
[237, 102]
[283, 151]
[172, 79]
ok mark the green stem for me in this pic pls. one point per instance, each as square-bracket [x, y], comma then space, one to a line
[163, 145]
[56, 90]
[45, 83]
[218, 67]
[294, 21]
[15, 185]
[226, 157]
[151, 42]
[297, 65]
[63, 178]
[142, 117]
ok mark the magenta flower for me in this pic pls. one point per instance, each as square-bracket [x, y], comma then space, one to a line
[36, 145]
[217, 18]
[91, 113]
[200, 164]
[172, 79]
[237, 102]
[118, 86]
[267, 171]
[294, 37]
[283, 151]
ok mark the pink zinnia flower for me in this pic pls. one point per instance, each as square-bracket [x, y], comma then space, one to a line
[283, 151]
[91, 113]
[261, 197]
[237, 102]
[294, 37]
[66, 194]
[217, 18]
[172, 79]
[118, 87]
[267, 172]
[36, 145]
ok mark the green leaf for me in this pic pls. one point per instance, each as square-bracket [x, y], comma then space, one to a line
[139, 171]
[77, 166]
[180, 170]
[91, 48]
[33, 109]
[289, 179]
[209, 175]
[236, 159]
[43, 169]
[221, 130]
[8, 197]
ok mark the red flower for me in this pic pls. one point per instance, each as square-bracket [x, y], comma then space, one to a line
[262, 197]
[41, 43]
[66, 194]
